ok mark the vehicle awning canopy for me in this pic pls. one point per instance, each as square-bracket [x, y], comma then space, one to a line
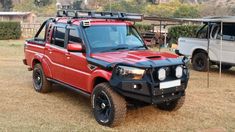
[214, 19]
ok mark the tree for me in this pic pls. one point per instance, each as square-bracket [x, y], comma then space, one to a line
[126, 6]
[186, 11]
[41, 3]
[77, 5]
[162, 9]
[1, 7]
[6, 5]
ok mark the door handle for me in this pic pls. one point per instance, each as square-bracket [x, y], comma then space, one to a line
[67, 55]
[50, 50]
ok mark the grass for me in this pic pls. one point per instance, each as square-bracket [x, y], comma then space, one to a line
[23, 109]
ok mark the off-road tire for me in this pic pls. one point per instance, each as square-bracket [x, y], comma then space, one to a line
[224, 67]
[43, 86]
[200, 62]
[117, 106]
[172, 105]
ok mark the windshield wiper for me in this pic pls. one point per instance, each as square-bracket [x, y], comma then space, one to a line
[118, 48]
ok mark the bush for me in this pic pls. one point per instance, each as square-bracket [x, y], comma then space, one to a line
[10, 30]
[143, 27]
[182, 31]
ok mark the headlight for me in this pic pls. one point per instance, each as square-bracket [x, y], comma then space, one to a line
[161, 74]
[130, 72]
[179, 71]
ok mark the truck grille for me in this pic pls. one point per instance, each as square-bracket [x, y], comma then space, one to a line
[170, 73]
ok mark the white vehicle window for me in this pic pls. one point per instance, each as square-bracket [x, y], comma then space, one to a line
[228, 32]
[215, 31]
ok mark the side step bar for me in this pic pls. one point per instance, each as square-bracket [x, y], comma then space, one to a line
[70, 87]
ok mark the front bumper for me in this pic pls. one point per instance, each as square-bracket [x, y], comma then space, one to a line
[148, 92]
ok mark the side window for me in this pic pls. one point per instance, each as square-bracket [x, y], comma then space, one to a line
[58, 36]
[228, 32]
[74, 36]
[214, 31]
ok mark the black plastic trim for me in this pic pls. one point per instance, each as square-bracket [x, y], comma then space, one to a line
[86, 94]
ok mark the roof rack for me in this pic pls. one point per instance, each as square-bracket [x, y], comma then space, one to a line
[100, 15]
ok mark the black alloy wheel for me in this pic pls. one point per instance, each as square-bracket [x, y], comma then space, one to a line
[109, 108]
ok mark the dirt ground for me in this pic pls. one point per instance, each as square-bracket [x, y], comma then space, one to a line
[23, 109]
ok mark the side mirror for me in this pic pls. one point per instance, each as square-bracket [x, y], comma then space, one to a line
[74, 47]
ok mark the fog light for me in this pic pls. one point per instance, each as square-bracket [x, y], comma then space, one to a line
[179, 72]
[161, 74]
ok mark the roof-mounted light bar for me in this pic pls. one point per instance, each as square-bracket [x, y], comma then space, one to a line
[100, 15]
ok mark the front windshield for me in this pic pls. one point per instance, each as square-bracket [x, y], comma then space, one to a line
[105, 38]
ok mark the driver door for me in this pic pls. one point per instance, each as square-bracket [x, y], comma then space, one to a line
[77, 70]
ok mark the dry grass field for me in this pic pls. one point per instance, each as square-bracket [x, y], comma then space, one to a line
[23, 109]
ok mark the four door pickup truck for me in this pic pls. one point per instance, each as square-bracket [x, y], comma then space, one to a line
[102, 56]
[196, 48]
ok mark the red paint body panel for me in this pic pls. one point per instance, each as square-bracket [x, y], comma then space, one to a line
[132, 57]
[68, 67]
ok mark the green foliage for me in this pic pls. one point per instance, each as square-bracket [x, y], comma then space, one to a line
[174, 8]
[182, 31]
[41, 3]
[126, 6]
[28, 5]
[1, 7]
[6, 5]
[186, 11]
[143, 27]
[77, 5]
[10, 30]
[162, 10]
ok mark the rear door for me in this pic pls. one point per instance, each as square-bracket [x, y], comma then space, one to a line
[55, 52]
[228, 46]
[227, 51]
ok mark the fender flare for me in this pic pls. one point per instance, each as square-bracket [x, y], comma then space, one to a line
[99, 73]
[39, 58]
[211, 53]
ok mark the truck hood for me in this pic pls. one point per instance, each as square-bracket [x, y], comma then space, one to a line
[139, 58]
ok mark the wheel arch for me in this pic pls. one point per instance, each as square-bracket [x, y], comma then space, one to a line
[99, 80]
[199, 50]
[35, 61]
[97, 77]
[45, 66]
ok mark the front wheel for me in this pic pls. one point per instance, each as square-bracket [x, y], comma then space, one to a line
[172, 105]
[109, 108]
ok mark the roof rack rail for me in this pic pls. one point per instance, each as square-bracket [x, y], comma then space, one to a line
[100, 15]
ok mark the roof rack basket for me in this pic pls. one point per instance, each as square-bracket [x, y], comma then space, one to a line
[100, 15]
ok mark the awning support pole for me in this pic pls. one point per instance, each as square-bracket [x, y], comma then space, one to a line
[208, 59]
[160, 36]
[221, 47]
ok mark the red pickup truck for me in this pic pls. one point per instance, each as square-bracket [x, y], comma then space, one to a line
[101, 55]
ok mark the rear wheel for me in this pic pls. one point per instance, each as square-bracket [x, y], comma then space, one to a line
[224, 67]
[172, 105]
[109, 108]
[40, 83]
[200, 62]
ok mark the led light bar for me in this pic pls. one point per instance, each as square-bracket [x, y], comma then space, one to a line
[100, 15]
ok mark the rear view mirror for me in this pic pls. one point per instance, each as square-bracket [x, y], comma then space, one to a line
[74, 47]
